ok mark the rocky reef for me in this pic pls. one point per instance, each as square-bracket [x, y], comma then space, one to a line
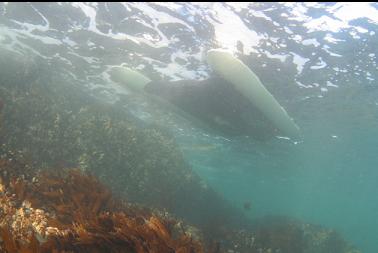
[69, 210]
[48, 126]
[58, 125]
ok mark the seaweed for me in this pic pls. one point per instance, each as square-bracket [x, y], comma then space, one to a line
[71, 211]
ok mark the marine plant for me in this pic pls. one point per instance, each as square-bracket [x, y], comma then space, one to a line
[71, 211]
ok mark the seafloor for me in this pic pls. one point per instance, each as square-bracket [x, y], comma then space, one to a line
[80, 175]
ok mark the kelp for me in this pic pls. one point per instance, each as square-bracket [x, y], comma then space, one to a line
[58, 125]
[71, 211]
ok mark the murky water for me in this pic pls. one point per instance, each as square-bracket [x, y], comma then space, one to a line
[319, 61]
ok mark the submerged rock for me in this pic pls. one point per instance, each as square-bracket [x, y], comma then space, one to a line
[54, 125]
[71, 211]
[287, 235]
[58, 125]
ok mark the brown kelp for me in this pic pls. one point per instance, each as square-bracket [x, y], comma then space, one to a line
[71, 211]
[58, 125]
[47, 208]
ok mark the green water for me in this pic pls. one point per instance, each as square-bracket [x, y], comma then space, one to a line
[317, 59]
[330, 178]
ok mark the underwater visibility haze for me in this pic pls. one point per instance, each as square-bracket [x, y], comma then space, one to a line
[189, 127]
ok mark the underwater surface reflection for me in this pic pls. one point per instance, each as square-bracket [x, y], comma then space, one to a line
[178, 153]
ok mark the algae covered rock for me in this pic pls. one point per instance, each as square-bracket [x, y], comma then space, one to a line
[71, 211]
[56, 124]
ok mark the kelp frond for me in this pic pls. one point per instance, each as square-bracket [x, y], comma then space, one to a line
[70, 211]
